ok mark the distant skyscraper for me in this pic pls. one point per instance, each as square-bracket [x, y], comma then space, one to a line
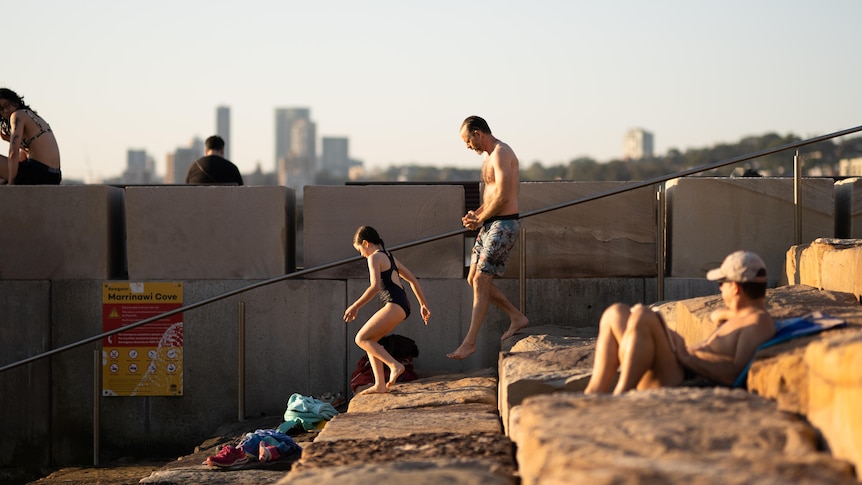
[295, 148]
[637, 144]
[183, 158]
[223, 127]
[140, 168]
[334, 156]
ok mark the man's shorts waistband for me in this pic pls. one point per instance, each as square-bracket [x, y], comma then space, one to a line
[509, 217]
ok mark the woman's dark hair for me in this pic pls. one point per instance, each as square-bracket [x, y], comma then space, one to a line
[367, 233]
[11, 96]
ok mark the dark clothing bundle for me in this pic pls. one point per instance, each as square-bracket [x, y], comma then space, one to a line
[403, 349]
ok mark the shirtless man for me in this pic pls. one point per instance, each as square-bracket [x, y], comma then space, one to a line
[650, 355]
[499, 222]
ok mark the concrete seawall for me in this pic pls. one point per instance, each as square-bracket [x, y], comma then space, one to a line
[295, 340]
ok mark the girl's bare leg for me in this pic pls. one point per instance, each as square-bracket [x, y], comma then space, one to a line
[380, 324]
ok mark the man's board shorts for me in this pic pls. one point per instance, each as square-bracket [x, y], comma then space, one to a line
[494, 243]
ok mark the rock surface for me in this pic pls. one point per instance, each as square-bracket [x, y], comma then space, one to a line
[835, 387]
[476, 387]
[432, 430]
[406, 472]
[529, 373]
[681, 435]
[397, 423]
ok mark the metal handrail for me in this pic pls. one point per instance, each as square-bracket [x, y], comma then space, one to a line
[531, 213]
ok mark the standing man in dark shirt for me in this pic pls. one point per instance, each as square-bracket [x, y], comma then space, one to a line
[213, 168]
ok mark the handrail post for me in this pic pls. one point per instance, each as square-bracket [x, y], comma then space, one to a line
[240, 408]
[661, 228]
[797, 193]
[97, 392]
[522, 270]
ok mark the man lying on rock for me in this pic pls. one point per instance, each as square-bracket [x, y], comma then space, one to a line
[649, 355]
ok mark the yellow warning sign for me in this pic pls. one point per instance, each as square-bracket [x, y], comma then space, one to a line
[146, 360]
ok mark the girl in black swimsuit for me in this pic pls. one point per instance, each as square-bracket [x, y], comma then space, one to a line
[384, 271]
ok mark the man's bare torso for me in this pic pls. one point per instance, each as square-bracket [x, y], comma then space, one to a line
[724, 341]
[505, 157]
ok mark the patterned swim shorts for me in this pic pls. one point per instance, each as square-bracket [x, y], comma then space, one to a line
[493, 244]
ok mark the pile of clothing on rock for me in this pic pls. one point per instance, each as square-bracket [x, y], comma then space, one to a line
[402, 348]
[262, 446]
[304, 413]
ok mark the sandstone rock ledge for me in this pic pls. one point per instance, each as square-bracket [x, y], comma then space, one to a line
[680, 435]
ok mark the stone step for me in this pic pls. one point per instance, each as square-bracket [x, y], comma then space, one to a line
[437, 429]
[432, 430]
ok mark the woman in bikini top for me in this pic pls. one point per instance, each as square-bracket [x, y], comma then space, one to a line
[34, 157]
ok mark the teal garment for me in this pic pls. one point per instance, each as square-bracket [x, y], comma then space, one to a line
[792, 328]
[306, 411]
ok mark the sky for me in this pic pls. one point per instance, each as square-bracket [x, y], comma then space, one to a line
[557, 80]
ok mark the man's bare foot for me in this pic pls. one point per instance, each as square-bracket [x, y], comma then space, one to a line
[394, 373]
[517, 324]
[373, 390]
[462, 352]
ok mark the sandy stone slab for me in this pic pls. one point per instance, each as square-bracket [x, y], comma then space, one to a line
[835, 387]
[782, 373]
[431, 391]
[548, 337]
[525, 374]
[667, 435]
[407, 472]
[185, 476]
[492, 449]
[459, 418]
[704, 469]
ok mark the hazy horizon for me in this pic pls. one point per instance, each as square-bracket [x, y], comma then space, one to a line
[556, 80]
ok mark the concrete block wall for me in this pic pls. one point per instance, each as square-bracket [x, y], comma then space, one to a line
[210, 232]
[400, 214]
[61, 232]
[294, 342]
[848, 208]
[25, 392]
[300, 344]
[609, 237]
[709, 218]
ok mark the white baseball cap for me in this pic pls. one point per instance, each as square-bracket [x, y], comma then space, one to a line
[740, 267]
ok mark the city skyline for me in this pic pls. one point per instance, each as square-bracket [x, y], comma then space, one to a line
[556, 80]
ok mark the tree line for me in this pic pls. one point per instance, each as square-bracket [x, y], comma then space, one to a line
[819, 159]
